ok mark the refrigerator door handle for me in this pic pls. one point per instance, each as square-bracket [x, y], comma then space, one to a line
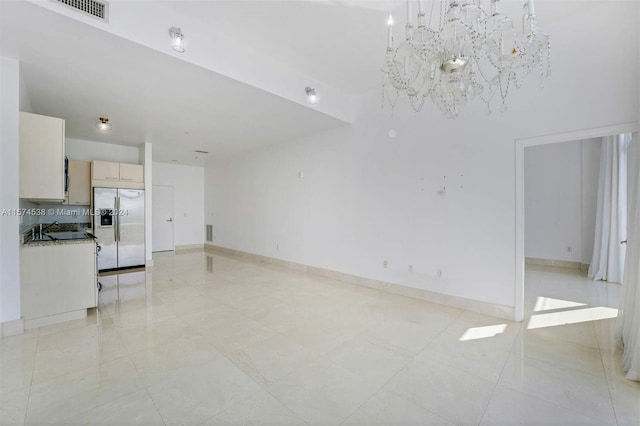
[118, 218]
[114, 221]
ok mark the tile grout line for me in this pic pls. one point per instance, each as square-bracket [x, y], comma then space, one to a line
[146, 388]
[127, 355]
[606, 375]
[223, 355]
[403, 368]
[33, 367]
[262, 388]
[402, 397]
[495, 386]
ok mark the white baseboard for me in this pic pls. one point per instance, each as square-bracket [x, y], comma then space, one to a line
[566, 264]
[486, 308]
[188, 247]
[54, 319]
[11, 328]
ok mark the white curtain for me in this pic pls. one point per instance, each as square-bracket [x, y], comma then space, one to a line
[607, 262]
[628, 323]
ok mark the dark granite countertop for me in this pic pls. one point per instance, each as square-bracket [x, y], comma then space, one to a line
[58, 233]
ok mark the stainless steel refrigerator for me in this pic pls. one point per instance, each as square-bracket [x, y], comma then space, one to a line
[119, 227]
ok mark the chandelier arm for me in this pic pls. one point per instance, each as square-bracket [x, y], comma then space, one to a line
[463, 58]
[431, 13]
[484, 77]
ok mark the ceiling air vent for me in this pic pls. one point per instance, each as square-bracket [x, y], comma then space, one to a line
[97, 9]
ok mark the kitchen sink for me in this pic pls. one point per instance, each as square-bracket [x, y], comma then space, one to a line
[67, 235]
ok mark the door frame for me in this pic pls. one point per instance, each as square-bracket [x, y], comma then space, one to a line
[520, 145]
[173, 229]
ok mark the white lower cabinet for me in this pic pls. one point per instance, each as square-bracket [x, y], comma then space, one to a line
[57, 279]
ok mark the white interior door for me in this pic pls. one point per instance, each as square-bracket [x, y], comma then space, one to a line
[162, 218]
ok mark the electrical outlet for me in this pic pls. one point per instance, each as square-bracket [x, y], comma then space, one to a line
[439, 273]
[385, 264]
[569, 249]
[277, 246]
[410, 268]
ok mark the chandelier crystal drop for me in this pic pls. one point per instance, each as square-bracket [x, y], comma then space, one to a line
[472, 54]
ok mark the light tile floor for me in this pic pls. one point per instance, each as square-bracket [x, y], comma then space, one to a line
[206, 339]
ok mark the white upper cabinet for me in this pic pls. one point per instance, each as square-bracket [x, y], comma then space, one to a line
[131, 172]
[105, 170]
[106, 174]
[79, 183]
[41, 157]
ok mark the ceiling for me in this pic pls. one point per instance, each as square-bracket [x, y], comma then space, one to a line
[79, 73]
[336, 41]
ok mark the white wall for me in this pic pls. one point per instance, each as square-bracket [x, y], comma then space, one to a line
[560, 200]
[83, 150]
[9, 191]
[25, 101]
[188, 200]
[366, 197]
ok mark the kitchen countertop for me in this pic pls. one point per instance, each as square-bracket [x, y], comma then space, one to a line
[55, 234]
[37, 243]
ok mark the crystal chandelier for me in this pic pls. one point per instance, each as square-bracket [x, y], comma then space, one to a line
[472, 53]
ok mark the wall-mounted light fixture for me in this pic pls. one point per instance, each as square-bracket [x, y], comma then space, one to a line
[103, 124]
[311, 95]
[177, 39]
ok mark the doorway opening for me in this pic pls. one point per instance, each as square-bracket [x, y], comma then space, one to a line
[520, 148]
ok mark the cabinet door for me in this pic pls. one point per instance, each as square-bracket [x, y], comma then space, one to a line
[41, 157]
[79, 183]
[104, 170]
[131, 172]
[57, 278]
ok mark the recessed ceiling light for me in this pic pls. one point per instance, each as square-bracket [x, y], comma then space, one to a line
[177, 39]
[103, 124]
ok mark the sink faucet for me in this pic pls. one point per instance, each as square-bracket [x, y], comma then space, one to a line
[51, 224]
[42, 229]
[55, 222]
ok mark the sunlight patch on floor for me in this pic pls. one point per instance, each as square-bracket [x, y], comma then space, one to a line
[549, 303]
[571, 317]
[475, 333]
